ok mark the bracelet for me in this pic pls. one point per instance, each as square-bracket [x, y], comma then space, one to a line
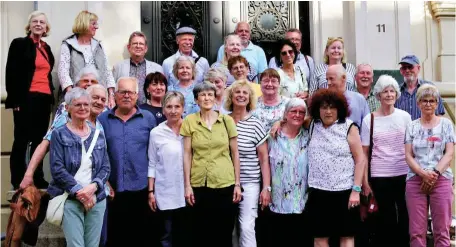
[437, 171]
[237, 185]
[151, 191]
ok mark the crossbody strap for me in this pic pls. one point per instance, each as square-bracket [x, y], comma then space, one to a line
[92, 144]
[371, 145]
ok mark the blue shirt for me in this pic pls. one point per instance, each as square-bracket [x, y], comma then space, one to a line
[202, 66]
[254, 55]
[358, 107]
[190, 105]
[127, 148]
[407, 101]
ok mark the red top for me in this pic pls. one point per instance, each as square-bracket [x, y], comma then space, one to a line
[40, 81]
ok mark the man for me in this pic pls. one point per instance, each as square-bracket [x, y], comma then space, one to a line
[137, 66]
[410, 68]
[304, 62]
[253, 53]
[127, 128]
[364, 79]
[185, 37]
[337, 79]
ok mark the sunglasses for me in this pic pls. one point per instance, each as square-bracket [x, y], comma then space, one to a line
[407, 67]
[289, 52]
[333, 38]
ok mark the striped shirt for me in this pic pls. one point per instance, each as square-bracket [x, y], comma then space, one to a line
[251, 134]
[407, 101]
[319, 77]
[388, 152]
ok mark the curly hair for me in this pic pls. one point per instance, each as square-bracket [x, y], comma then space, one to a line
[332, 98]
[154, 77]
[281, 44]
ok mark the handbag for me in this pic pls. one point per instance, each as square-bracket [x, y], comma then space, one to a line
[54, 212]
[368, 204]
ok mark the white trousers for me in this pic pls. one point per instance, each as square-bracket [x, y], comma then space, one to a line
[248, 212]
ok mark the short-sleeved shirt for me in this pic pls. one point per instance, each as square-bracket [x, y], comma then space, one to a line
[211, 160]
[358, 107]
[388, 151]
[190, 105]
[251, 134]
[319, 77]
[268, 115]
[301, 62]
[201, 67]
[289, 87]
[156, 111]
[428, 145]
[372, 101]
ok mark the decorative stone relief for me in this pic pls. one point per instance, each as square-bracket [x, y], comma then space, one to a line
[269, 20]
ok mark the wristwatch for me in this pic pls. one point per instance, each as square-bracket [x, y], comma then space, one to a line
[437, 171]
[356, 188]
[268, 188]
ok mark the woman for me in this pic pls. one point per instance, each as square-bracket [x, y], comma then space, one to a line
[217, 76]
[336, 166]
[211, 174]
[166, 185]
[240, 69]
[80, 167]
[429, 147]
[334, 54]
[271, 105]
[289, 168]
[233, 48]
[253, 156]
[388, 168]
[293, 81]
[184, 71]
[81, 49]
[29, 86]
[155, 88]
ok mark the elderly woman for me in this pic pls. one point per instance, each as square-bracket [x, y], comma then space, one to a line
[81, 49]
[155, 88]
[336, 166]
[29, 86]
[240, 69]
[271, 105]
[211, 170]
[80, 167]
[217, 76]
[166, 170]
[293, 81]
[429, 147]
[233, 48]
[289, 168]
[334, 54]
[184, 71]
[387, 167]
[253, 156]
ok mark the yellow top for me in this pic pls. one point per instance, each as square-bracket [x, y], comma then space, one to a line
[211, 161]
[257, 88]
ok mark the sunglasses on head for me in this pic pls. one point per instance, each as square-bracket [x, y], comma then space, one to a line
[333, 38]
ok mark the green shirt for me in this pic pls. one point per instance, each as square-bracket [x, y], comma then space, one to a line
[211, 161]
[372, 101]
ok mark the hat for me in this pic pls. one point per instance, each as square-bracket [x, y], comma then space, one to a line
[185, 22]
[410, 59]
[185, 30]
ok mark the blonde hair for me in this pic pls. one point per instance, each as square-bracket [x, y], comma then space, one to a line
[173, 95]
[330, 41]
[82, 22]
[219, 73]
[33, 15]
[229, 95]
[184, 59]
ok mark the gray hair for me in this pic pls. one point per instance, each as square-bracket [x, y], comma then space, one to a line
[363, 64]
[75, 93]
[184, 59]
[172, 95]
[126, 78]
[242, 22]
[294, 102]
[97, 86]
[230, 36]
[427, 90]
[86, 71]
[219, 72]
[385, 81]
[33, 15]
[204, 86]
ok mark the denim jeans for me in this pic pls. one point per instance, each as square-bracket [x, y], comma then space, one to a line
[82, 228]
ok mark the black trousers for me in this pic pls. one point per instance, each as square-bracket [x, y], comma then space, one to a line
[289, 230]
[213, 217]
[392, 221]
[131, 222]
[30, 125]
[174, 225]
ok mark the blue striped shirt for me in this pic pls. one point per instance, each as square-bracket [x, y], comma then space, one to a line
[407, 101]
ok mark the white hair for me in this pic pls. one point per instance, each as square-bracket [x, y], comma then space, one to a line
[294, 102]
[242, 22]
[127, 78]
[75, 93]
[86, 71]
[427, 90]
[364, 64]
[97, 86]
[385, 81]
[219, 72]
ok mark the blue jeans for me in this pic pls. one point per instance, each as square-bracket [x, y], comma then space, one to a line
[82, 228]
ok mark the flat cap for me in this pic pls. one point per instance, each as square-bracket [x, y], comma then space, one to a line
[185, 30]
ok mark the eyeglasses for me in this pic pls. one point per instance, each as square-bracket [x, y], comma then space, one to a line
[138, 44]
[125, 92]
[407, 67]
[94, 23]
[81, 105]
[289, 52]
[428, 102]
[295, 112]
[88, 80]
[266, 81]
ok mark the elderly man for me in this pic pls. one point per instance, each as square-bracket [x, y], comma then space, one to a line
[306, 63]
[137, 66]
[185, 37]
[337, 79]
[127, 128]
[253, 53]
[364, 79]
[410, 68]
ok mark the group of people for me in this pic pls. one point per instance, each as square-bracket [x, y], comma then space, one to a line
[185, 153]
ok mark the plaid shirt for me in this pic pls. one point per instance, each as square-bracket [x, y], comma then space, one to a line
[372, 101]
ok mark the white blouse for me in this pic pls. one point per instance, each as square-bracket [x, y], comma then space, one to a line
[166, 165]
[288, 86]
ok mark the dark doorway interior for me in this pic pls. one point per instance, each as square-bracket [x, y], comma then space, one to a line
[304, 26]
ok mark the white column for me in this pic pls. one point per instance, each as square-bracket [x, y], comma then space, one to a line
[446, 57]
